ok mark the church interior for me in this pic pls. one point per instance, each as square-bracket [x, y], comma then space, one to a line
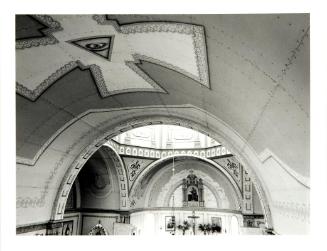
[163, 124]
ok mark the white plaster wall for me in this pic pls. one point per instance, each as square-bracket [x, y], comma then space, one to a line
[290, 201]
[251, 231]
[53, 165]
[153, 222]
[158, 191]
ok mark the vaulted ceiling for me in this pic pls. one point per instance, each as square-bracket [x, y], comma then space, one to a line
[250, 71]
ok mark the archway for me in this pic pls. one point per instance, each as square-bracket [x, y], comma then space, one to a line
[168, 159]
[142, 120]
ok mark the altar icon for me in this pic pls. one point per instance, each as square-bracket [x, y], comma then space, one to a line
[193, 194]
[170, 223]
[192, 191]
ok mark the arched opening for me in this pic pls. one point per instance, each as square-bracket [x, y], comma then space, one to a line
[203, 72]
[114, 176]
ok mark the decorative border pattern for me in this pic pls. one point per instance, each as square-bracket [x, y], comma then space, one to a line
[133, 66]
[125, 126]
[107, 133]
[199, 43]
[47, 82]
[247, 193]
[24, 202]
[52, 25]
[233, 167]
[95, 70]
[138, 151]
[67, 180]
[139, 57]
[134, 166]
[70, 176]
[196, 31]
[298, 211]
[122, 178]
[136, 189]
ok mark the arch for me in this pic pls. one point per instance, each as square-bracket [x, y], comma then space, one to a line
[122, 175]
[154, 164]
[61, 199]
[187, 116]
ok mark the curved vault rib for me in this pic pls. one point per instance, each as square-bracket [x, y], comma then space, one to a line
[222, 133]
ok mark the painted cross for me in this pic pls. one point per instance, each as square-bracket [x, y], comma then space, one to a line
[111, 51]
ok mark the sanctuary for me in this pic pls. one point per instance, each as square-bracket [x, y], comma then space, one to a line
[162, 124]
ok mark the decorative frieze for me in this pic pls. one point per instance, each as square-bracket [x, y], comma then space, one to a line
[234, 168]
[299, 211]
[198, 36]
[247, 194]
[136, 80]
[138, 151]
[123, 183]
[52, 26]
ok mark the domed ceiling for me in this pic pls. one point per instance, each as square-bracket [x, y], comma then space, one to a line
[250, 71]
[166, 137]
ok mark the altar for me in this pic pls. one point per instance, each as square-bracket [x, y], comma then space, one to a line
[163, 222]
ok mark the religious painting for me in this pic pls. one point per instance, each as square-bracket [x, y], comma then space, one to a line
[192, 191]
[170, 223]
[192, 194]
[67, 228]
[216, 221]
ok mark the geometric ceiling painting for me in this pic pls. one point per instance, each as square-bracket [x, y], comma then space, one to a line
[36, 30]
[111, 51]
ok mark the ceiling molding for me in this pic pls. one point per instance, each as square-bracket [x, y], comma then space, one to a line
[111, 76]
[196, 31]
[48, 39]
[267, 154]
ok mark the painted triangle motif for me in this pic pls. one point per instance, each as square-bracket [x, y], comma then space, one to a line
[100, 46]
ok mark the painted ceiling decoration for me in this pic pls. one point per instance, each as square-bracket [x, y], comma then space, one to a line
[45, 37]
[86, 42]
[135, 166]
[100, 46]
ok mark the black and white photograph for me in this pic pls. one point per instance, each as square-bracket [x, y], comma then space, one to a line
[164, 125]
[146, 115]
